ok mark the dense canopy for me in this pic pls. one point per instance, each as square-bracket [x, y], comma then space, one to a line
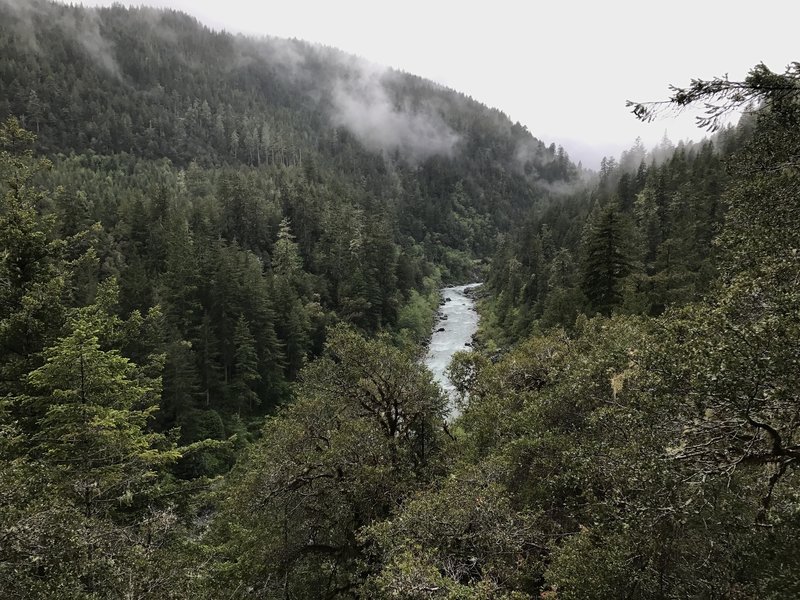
[219, 264]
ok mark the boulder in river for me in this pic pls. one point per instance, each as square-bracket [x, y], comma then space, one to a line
[471, 292]
[452, 332]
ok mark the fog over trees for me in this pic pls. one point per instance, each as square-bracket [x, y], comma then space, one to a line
[220, 263]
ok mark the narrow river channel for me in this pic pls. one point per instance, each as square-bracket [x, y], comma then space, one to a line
[453, 331]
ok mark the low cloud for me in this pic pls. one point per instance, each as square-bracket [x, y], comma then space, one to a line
[363, 105]
[366, 99]
[531, 152]
[80, 23]
[87, 31]
[371, 102]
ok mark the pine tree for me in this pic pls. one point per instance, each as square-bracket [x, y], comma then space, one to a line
[181, 386]
[33, 273]
[246, 374]
[607, 259]
[92, 406]
[286, 260]
[92, 514]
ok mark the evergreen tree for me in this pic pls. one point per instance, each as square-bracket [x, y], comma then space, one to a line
[246, 372]
[33, 271]
[100, 473]
[606, 259]
[91, 408]
[286, 259]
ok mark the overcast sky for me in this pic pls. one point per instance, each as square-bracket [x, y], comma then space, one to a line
[564, 69]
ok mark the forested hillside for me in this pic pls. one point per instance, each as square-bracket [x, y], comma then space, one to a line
[637, 241]
[634, 424]
[255, 191]
[219, 261]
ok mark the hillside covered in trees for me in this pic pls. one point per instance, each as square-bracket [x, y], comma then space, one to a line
[256, 191]
[219, 262]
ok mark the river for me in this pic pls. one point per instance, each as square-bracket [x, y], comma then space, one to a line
[459, 320]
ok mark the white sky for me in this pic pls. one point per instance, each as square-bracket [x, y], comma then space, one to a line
[562, 68]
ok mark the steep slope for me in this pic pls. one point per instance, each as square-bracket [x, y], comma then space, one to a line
[255, 191]
[158, 84]
[637, 241]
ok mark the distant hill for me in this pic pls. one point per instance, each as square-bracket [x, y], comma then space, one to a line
[159, 84]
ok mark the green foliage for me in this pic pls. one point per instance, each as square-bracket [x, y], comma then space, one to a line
[607, 259]
[461, 539]
[415, 318]
[661, 453]
[362, 434]
[246, 374]
[96, 491]
[635, 240]
[32, 265]
[219, 265]
[90, 407]
[250, 217]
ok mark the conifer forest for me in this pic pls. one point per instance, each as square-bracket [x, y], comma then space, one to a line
[221, 259]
